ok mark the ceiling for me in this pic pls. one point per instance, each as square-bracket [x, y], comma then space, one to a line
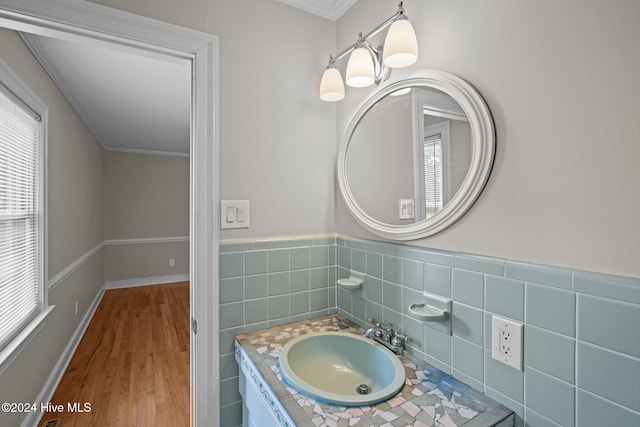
[129, 102]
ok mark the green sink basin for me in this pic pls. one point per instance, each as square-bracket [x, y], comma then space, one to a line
[336, 367]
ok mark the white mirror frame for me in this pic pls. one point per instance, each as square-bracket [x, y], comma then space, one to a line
[482, 154]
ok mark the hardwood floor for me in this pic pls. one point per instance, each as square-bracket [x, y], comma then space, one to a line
[132, 365]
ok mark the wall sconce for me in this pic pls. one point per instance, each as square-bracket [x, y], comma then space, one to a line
[369, 64]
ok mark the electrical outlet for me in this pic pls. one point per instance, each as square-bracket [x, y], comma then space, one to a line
[172, 262]
[507, 343]
[76, 307]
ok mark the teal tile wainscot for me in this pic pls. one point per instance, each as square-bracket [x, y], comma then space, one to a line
[589, 372]
[429, 396]
[267, 283]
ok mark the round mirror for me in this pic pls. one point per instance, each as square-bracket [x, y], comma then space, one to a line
[416, 155]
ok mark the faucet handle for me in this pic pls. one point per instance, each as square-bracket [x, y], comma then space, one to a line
[374, 322]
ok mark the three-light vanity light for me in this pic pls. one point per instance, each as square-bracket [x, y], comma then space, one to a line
[369, 64]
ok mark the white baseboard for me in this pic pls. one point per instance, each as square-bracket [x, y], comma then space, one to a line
[146, 281]
[33, 418]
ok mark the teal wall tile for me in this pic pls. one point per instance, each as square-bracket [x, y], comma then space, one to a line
[550, 397]
[231, 290]
[231, 265]
[410, 296]
[256, 286]
[503, 378]
[374, 310]
[507, 401]
[601, 321]
[437, 279]
[470, 381]
[256, 310]
[487, 330]
[269, 244]
[467, 358]
[392, 269]
[444, 367]
[299, 303]
[551, 309]
[324, 241]
[279, 283]
[373, 289]
[610, 375]
[235, 247]
[438, 345]
[229, 391]
[413, 274]
[319, 299]
[228, 366]
[437, 257]
[358, 307]
[231, 414]
[256, 262]
[332, 297]
[295, 243]
[358, 260]
[231, 315]
[391, 296]
[374, 265]
[299, 280]
[593, 411]
[540, 274]
[319, 256]
[319, 277]
[344, 300]
[227, 339]
[333, 255]
[393, 317]
[414, 330]
[467, 287]
[344, 257]
[353, 243]
[551, 353]
[278, 307]
[467, 323]
[253, 327]
[609, 286]
[278, 260]
[480, 264]
[534, 419]
[299, 258]
[299, 317]
[505, 297]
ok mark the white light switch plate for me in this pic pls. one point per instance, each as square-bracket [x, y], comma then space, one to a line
[507, 342]
[234, 214]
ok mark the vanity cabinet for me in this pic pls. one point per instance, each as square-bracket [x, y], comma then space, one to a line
[260, 408]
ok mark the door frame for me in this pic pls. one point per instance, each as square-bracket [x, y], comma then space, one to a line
[98, 25]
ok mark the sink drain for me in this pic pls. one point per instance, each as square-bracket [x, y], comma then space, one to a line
[363, 389]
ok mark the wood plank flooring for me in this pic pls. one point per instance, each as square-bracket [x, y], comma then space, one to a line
[132, 364]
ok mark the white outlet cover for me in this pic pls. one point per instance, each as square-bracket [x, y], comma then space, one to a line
[515, 330]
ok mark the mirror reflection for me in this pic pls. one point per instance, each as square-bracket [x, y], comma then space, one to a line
[409, 155]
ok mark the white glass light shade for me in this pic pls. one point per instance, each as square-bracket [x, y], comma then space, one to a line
[331, 86]
[400, 46]
[360, 69]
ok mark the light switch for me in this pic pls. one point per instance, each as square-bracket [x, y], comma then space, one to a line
[406, 209]
[234, 214]
[231, 217]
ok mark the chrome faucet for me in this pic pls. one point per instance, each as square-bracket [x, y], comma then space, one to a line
[385, 335]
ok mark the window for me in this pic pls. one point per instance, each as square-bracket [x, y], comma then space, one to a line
[22, 255]
[431, 172]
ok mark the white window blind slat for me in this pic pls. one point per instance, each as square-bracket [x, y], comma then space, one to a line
[433, 175]
[20, 282]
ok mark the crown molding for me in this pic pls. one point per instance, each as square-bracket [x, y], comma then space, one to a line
[329, 9]
[49, 66]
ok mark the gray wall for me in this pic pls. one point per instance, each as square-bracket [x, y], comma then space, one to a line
[560, 79]
[75, 226]
[277, 141]
[145, 196]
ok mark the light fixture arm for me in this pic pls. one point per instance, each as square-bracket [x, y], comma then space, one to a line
[361, 38]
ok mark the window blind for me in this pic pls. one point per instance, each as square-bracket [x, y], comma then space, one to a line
[20, 281]
[433, 191]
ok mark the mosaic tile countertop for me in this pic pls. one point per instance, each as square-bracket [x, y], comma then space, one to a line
[428, 398]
